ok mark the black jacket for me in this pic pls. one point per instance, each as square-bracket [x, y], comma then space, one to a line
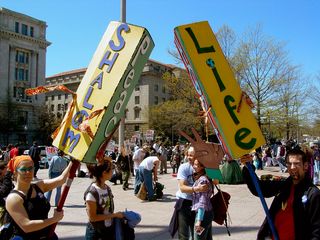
[6, 186]
[306, 215]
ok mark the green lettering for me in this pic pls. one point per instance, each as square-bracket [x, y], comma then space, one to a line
[241, 134]
[211, 64]
[227, 100]
[194, 39]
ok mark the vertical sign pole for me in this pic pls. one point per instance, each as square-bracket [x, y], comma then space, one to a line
[263, 201]
[72, 173]
[122, 120]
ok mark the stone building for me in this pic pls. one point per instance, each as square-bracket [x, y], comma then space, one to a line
[23, 47]
[150, 91]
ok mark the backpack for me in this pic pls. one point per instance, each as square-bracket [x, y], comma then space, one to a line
[282, 151]
[127, 231]
[6, 230]
[220, 203]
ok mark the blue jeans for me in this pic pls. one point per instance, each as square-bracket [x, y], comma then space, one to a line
[186, 219]
[58, 194]
[207, 224]
[93, 234]
[137, 181]
[146, 177]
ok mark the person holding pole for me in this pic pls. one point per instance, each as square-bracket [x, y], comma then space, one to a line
[295, 209]
[27, 205]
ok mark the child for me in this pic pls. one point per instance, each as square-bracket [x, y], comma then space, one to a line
[201, 204]
[99, 204]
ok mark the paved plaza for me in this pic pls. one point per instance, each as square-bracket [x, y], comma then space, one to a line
[245, 210]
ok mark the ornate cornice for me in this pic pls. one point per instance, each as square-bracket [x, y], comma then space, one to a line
[9, 34]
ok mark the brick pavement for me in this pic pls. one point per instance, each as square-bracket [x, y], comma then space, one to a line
[245, 210]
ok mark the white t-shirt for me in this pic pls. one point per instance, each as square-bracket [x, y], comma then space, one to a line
[185, 172]
[148, 163]
[138, 157]
[104, 200]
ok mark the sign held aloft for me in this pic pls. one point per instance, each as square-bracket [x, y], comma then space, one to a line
[218, 89]
[105, 88]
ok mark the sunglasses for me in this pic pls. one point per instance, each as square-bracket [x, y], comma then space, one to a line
[24, 169]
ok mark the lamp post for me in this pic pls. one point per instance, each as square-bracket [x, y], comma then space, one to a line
[122, 120]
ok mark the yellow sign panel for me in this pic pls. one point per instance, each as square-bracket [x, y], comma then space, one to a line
[107, 86]
[218, 89]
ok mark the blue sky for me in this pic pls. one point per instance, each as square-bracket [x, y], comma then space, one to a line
[76, 27]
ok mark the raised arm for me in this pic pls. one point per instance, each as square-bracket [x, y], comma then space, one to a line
[49, 184]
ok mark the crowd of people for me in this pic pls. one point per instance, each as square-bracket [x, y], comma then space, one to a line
[295, 209]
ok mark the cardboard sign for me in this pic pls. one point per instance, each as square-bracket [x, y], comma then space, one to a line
[218, 89]
[108, 84]
[51, 151]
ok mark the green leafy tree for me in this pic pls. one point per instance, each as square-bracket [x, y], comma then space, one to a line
[181, 112]
[47, 125]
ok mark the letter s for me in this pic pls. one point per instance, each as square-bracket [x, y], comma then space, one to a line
[112, 45]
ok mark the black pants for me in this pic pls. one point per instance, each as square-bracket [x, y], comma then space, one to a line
[36, 167]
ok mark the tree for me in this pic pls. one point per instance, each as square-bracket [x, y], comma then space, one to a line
[181, 112]
[47, 125]
[227, 40]
[260, 65]
[288, 101]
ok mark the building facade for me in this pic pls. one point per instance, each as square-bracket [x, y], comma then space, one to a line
[149, 91]
[23, 47]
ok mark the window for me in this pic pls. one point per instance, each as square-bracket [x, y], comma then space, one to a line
[66, 96]
[136, 113]
[22, 118]
[137, 88]
[22, 57]
[65, 106]
[136, 128]
[18, 93]
[31, 31]
[137, 100]
[157, 68]
[52, 97]
[17, 27]
[156, 87]
[52, 108]
[21, 74]
[163, 99]
[59, 115]
[156, 100]
[163, 89]
[24, 29]
[59, 107]
[59, 97]
[46, 98]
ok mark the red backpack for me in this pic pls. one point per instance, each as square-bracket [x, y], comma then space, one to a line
[282, 151]
[220, 203]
